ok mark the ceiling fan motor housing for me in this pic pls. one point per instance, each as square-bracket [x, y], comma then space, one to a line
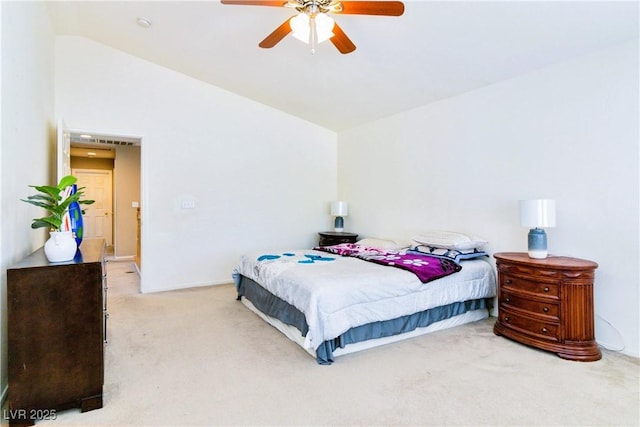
[313, 7]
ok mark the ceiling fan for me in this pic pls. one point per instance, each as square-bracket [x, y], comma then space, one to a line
[312, 23]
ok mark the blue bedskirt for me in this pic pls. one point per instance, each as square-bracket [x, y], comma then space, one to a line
[275, 307]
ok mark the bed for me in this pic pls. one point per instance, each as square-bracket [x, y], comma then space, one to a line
[340, 299]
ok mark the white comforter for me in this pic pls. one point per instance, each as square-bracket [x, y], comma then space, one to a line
[338, 294]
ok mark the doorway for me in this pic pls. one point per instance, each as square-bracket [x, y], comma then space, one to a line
[109, 167]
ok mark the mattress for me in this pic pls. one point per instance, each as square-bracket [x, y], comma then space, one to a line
[338, 301]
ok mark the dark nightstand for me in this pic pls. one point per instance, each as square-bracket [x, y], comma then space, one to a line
[329, 238]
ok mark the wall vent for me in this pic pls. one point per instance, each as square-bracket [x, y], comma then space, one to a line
[113, 140]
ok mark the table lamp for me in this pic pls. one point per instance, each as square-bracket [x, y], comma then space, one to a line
[339, 210]
[537, 214]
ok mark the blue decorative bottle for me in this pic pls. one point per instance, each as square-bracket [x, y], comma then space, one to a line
[75, 215]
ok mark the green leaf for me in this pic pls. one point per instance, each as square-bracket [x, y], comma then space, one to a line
[39, 204]
[47, 189]
[48, 222]
[67, 181]
[42, 197]
[50, 199]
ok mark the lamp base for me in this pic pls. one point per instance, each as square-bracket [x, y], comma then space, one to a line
[537, 243]
[537, 254]
[338, 225]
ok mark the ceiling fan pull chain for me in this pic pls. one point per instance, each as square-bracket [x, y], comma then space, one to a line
[313, 33]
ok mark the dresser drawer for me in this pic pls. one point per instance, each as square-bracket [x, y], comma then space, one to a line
[546, 310]
[523, 324]
[335, 238]
[517, 284]
[330, 241]
[538, 272]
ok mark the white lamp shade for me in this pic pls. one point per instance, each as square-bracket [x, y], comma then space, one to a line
[339, 209]
[301, 27]
[539, 213]
[324, 27]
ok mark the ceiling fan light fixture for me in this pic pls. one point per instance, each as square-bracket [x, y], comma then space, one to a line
[324, 27]
[301, 27]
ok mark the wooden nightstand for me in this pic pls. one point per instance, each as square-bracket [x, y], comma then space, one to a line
[328, 238]
[548, 304]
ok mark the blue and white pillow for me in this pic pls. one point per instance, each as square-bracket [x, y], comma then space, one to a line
[455, 255]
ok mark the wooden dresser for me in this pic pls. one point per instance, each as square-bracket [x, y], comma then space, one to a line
[56, 330]
[548, 304]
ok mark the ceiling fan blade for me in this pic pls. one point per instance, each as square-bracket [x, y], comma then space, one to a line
[341, 41]
[387, 8]
[278, 34]
[278, 3]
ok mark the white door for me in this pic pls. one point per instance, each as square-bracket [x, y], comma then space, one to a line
[63, 151]
[98, 217]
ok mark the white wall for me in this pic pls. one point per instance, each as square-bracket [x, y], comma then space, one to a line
[260, 178]
[567, 132]
[27, 136]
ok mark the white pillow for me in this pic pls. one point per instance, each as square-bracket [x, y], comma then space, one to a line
[450, 240]
[384, 243]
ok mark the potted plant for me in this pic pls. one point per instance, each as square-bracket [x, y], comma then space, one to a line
[58, 200]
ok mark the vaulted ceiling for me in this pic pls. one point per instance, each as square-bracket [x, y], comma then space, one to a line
[435, 50]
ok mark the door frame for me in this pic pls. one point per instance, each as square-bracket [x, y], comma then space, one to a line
[63, 131]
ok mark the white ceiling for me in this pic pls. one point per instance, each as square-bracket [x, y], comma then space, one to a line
[437, 49]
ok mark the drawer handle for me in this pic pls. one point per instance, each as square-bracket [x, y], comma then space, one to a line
[507, 299]
[544, 330]
[546, 289]
[545, 309]
[508, 281]
[507, 318]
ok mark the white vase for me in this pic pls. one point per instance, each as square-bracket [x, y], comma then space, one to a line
[61, 246]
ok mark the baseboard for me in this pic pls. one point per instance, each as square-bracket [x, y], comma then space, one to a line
[189, 286]
[120, 258]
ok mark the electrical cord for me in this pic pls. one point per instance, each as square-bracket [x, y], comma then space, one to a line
[609, 346]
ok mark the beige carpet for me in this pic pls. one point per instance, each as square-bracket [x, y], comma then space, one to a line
[199, 357]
